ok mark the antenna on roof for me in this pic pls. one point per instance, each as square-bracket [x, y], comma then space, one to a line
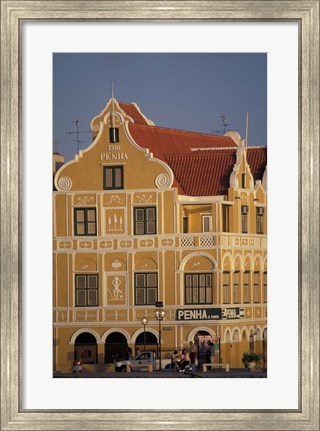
[224, 124]
[77, 133]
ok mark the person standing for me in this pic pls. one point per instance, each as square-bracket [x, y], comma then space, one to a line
[193, 355]
[211, 352]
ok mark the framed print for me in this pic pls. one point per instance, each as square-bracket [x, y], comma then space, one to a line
[33, 34]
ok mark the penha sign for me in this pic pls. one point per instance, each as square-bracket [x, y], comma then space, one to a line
[209, 313]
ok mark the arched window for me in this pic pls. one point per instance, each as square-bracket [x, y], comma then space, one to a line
[116, 347]
[85, 348]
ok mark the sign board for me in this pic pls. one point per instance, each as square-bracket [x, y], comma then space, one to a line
[209, 313]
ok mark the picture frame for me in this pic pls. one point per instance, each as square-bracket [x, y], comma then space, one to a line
[13, 15]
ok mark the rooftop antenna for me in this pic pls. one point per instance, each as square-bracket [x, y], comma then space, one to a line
[224, 124]
[77, 133]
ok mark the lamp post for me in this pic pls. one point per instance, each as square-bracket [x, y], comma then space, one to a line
[144, 321]
[160, 315]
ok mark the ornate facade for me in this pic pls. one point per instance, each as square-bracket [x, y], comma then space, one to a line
[147, 214]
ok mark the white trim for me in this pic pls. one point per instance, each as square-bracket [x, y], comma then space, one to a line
[197, 254]
[193, 332]
[110, 331]
[140, 331]
[81, 331]
[225, 256]
[199, 199]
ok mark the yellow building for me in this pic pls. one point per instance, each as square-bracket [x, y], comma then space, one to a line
[147, 214]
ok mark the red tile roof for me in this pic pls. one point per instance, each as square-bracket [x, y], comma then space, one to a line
[257, 159]
[203, 173]
[207, 173]
[131, 110]
[161, 140]
[201, 163]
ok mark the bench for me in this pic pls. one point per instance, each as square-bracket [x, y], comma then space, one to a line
[223, 365]
[149, 366]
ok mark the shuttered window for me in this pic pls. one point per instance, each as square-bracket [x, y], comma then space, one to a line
[265, 287]
[145, 221]
[236, 287]
[246, 287]
[86, 290]
[146, 288]
[85, 221]
[256, 287]
[244, 218]
[113, 177]
[226, 287]
[259, 220]
[198, 288]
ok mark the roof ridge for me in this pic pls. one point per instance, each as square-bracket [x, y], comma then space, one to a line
[183, 131]
[198, 153]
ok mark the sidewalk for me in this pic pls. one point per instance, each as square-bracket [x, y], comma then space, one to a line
[241, 373]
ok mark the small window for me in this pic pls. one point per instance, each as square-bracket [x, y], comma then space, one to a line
[145, 221]
[265, 287]
[113, 177]
[246, 287]
[85, 222]
[86, 290]
[113, 135]
[243, 181]
[236, 287]
[185, 225]
[226, 287]
[198, 288]
[244, 218]
[206, 223]
[259, 220]
[225, 218]
[256, 287]
[146, 288]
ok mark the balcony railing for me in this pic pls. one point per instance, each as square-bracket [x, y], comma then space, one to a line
[171, 241]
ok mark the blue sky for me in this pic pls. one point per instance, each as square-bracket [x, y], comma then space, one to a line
[181, 91]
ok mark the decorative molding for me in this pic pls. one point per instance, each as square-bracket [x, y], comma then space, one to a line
[64, 184]
[84, 200]
[115, 199]
[162, 181]
[144, 199]
[116, 264]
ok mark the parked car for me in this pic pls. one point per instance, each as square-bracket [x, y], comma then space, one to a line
[146, 358]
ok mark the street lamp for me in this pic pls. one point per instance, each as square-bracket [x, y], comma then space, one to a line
[144, 321]
[160, 315]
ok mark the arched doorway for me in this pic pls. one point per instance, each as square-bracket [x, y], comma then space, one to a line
[85, 348]
[201, 339]
[116, 347]
[147, 341]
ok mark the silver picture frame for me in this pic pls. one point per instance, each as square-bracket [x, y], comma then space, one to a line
[13, 15]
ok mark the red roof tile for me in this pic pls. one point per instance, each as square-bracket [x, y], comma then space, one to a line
[131, 110]
[257, 159]
[203, 173]
[161, 140]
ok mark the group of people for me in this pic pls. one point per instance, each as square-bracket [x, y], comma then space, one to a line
[189, 357]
